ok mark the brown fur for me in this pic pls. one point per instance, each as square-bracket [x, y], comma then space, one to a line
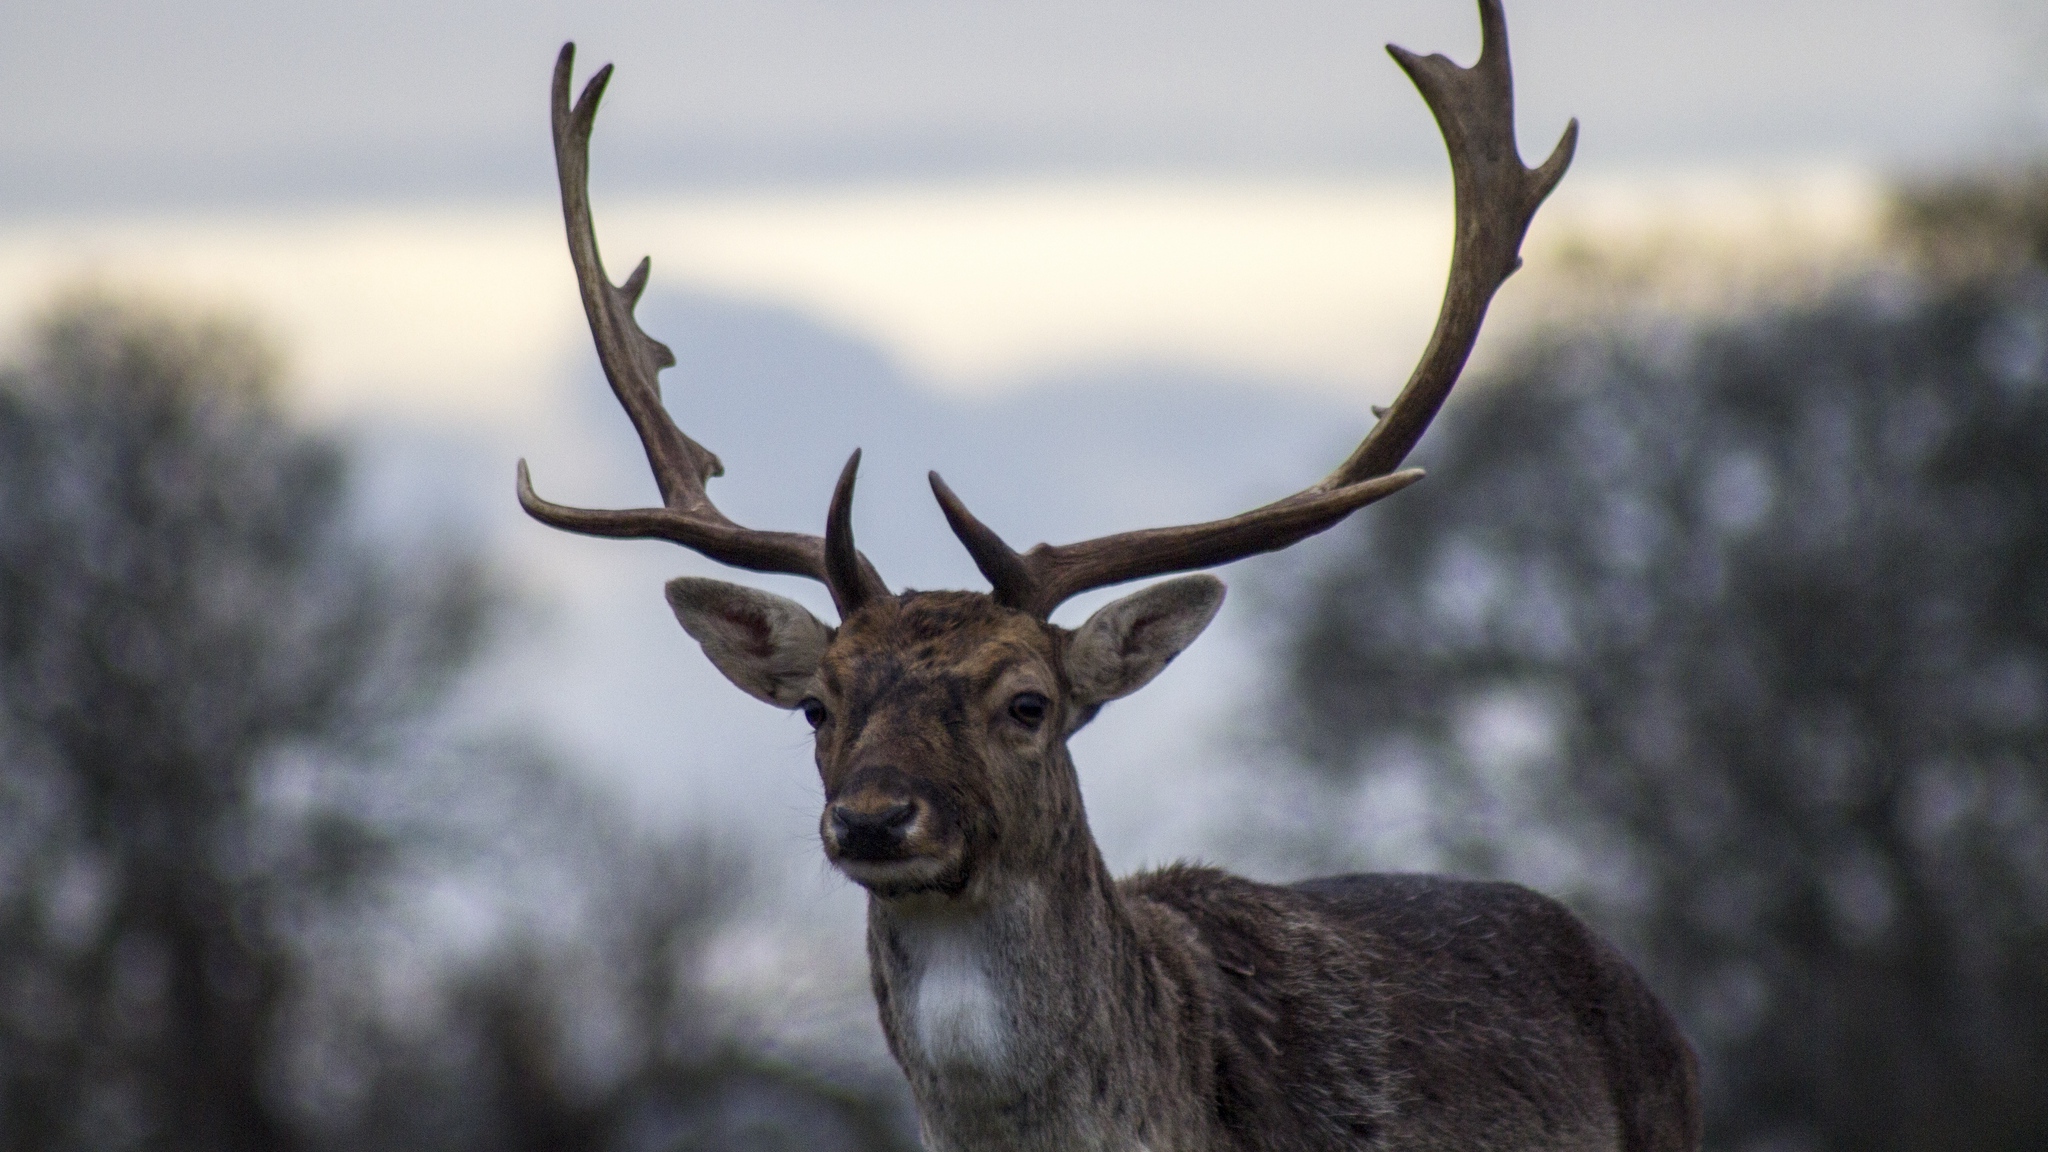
[1036, 1003]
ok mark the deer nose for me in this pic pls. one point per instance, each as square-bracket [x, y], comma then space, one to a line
[870, 833]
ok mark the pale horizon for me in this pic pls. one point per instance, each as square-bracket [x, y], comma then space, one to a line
[975, 288]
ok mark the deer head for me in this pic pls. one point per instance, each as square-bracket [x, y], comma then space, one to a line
[942, 717]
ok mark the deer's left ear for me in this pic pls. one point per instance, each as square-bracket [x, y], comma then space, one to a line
[1129, 641]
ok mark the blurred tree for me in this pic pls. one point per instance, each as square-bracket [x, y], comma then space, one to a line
[182, 600]
[1740, 632]
[1978, 228]
[587, 1028]
[224, 804]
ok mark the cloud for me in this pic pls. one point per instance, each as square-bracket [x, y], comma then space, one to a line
[134, 102]
[472, 312]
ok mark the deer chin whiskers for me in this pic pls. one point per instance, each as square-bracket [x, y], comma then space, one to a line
[913, 876]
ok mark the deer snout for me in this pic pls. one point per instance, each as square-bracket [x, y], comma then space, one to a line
[871, 828]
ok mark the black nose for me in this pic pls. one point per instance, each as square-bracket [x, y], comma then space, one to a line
[872, 835]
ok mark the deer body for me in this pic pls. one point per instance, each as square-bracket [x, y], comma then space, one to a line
[1146, 1023]
[1037, 1004]
[1143, 1021]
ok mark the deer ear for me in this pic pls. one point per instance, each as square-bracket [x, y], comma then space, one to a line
[1129, 641]
[769, 645]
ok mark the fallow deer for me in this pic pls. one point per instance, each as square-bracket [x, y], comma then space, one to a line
[1035, 1002]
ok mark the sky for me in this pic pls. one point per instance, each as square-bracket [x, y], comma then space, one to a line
[996, 192]
[243, 102]
[1193, 238]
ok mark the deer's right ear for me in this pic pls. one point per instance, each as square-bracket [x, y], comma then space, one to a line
[768, 645]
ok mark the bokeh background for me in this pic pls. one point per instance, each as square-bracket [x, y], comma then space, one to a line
[344, 807]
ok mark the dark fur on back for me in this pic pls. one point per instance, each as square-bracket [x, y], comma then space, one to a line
[1420, 1012]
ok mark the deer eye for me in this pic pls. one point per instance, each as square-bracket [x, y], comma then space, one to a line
[814, 711]
[1028, 709]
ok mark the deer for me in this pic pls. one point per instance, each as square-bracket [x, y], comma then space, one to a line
[1033, 1001]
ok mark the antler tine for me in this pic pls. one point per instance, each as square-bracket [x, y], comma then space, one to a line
[845, 568]
[632, 362]
[1042, 579]
[1496, 197]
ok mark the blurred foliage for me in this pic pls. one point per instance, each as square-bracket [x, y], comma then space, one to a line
[253, 894]
[1980, 227]
[585, 1026]
[1737, 632]
[180, 598]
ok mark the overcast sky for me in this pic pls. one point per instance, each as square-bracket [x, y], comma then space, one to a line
[142, 103]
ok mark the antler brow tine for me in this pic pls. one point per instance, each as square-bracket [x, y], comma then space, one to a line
[632, 362]
[1495, 199]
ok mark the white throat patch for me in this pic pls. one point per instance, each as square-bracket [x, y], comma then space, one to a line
[956, 1006]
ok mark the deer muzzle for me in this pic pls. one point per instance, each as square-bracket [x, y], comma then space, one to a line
[871, 833]
[889, 840]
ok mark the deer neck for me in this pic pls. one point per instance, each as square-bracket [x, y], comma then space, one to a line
[1028, 1011]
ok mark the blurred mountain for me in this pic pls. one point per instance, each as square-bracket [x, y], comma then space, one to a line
[783, 400]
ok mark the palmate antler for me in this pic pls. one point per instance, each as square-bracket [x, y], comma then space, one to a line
[1496, 197]
[632, 361]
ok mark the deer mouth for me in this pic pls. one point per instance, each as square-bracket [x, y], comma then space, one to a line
[906, 876]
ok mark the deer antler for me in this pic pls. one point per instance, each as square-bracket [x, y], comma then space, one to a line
[632, 362]
[1496, 197]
